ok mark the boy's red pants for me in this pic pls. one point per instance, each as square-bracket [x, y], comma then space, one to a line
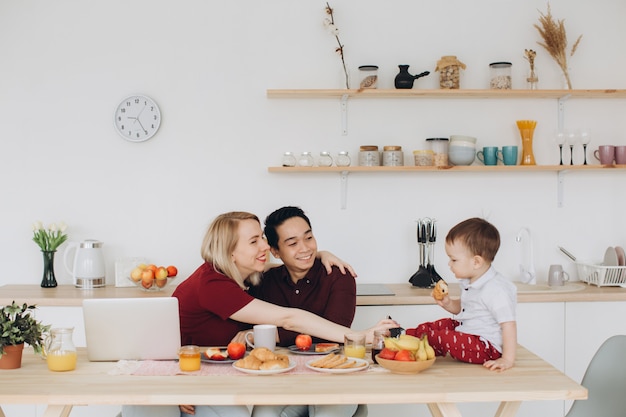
[461, 346]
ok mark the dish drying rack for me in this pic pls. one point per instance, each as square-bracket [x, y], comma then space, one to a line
[600, 275]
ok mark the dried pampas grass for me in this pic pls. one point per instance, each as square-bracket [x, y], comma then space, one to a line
[555, 41]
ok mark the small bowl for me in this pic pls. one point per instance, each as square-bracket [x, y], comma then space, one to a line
[405, 367]
[461, 156]
[465, 138]
[155, 285]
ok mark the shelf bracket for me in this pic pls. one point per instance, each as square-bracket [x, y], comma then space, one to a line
[559, 188]
[344, 115]
[343, 196]
[561, 111]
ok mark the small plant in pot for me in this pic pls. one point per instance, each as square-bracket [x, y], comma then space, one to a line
[18, 326]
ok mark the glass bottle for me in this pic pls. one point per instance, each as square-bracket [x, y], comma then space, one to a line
[532, 81]
[289, 160]
[378, 342]
[325, 160]
[343, 159]
[306, 159]
[59, 350]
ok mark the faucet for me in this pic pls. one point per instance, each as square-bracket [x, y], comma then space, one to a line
[527, 269]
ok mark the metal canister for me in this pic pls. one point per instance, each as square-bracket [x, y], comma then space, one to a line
[393, 156]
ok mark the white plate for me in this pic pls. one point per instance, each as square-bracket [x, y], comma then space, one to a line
[311, 351]
[204, 359]
[364, 365]
[269, 372]
[610, 257]
[621, 256]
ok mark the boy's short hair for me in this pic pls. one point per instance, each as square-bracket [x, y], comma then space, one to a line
[278, 217]
[478, 235]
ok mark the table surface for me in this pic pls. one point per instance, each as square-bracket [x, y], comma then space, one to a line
[447, 381]
[405, 294]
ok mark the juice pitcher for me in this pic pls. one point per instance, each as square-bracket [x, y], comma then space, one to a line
[59, 350]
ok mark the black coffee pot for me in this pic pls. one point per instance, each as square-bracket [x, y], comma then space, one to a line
[404, 80]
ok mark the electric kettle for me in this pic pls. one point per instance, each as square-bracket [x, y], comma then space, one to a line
[88, 265]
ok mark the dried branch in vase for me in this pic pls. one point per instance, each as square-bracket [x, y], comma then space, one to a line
[555, 41]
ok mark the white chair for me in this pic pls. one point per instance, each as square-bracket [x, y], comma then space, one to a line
[605, 379]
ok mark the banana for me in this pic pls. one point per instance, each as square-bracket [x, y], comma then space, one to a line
[408, 342]
[430, 352]
[421, 352]
[391, 343]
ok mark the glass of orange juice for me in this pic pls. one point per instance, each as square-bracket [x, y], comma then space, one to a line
[189, 358]
[354, 345]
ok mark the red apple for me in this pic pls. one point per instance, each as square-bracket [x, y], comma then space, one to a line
[236, 350]
[304, 342]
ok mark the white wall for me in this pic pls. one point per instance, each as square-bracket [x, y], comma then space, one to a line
[65, 65]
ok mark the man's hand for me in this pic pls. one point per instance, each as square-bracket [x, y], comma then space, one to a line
[189, 409]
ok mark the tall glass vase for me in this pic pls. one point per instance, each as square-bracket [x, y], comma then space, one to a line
[48, 280]
[526, 130]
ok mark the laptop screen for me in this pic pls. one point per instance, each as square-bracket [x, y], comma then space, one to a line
[131, 328]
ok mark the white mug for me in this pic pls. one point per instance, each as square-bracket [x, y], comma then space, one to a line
[264, 336]
[556, 276]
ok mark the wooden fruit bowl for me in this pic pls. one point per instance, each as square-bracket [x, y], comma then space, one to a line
[405, 367]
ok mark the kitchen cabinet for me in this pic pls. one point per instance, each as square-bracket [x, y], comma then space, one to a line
[561, 96]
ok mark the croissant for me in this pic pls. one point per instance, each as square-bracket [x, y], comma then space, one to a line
[440, 290]
[249, 362]
[274, 364]
[263, 354]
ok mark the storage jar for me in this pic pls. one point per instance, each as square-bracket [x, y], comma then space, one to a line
[306, 159]
[343, 159]
[369, 76]
[449, 68]
[369, 156]
[439, 146]
[325, 160]
[500, 75]
[393, 156]
[289, 160]
[423, 157]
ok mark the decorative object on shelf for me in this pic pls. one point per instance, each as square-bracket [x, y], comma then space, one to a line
[329, 23]
[585, 138]
[306, 159]
[137, 118]
[571, 138]
[404, 80]
[343, 159]
[289, 160]
[527, 130]
[449, 68]
[369, 77]
[500, 75]
[48, 241]
[325, 160]
[18, 326]
[532, 80]
[555, 41]
[560, 139]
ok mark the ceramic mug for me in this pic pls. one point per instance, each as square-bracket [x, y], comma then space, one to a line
[488, 156]
[605, 154]
[508, 155]
[264, 336]
[620, 155]
[556, 276]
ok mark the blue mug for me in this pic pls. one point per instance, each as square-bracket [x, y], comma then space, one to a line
[508, 155]
[488, 156]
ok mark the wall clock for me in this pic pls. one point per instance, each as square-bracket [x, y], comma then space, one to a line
[137, 118]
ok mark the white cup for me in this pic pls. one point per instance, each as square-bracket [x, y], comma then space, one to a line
[264, 336]
[556, 276]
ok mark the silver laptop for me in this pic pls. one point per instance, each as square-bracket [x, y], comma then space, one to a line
[131, 328]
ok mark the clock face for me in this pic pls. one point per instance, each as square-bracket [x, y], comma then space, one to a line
[137, 118]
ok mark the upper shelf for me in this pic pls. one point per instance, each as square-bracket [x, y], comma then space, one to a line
[460, 93]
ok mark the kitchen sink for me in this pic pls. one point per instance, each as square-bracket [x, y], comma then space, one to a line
[523, 288]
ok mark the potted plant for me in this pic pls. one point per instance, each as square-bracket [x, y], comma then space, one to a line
[18, 326]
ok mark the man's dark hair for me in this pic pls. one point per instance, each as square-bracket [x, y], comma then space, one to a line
[277, 218]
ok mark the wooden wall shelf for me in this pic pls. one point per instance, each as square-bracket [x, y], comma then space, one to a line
[431, 94]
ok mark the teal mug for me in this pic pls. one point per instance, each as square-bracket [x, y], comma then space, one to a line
[488, 156]
[508, 155]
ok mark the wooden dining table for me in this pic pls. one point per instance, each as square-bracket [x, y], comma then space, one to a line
[441, 387]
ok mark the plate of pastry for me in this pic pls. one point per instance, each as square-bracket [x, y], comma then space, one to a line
[316, 349]
[267, 368]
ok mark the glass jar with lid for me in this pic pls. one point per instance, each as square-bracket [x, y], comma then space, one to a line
[393, 156]
[325, 160]
[500, 75]
[289, 160]
[343, 159]
[306, 159]
[369, 76]
[369, 156]
[439, 146]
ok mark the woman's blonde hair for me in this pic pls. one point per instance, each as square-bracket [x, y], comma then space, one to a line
[220, 241]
